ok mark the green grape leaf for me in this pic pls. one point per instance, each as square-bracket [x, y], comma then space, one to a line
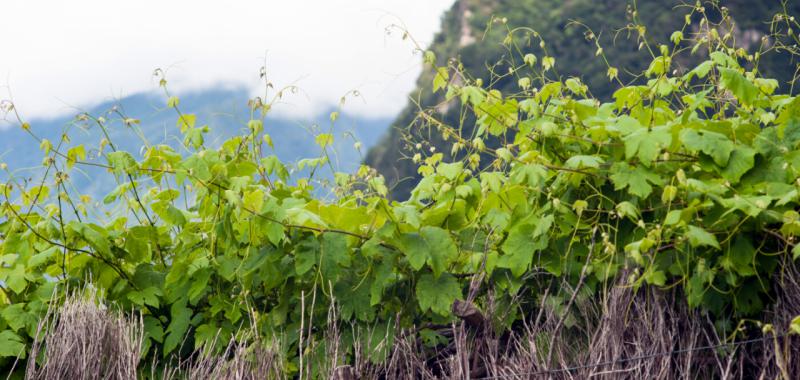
[472, 95]
[324, 140]
[521, 244]
[17, 318]
[646, 145]
[492, 181]
[655, 277]
[700, 71]
[74, 154]
[253, 200]
[741, 256]
[169, 213]
[741, 87]
[749, 204]
[11, 345]
[186, 121]
[43, 257]
[438, 294]
[178, 326]
[383, 276]
[699, 237]
[153, 328]
[583, 161]
[16, 280]
[659, 66]
[723, 60]
[199, 285]
[354, 300]
[440, 79]
[334, 254]
[205, 335]
[408, 214]
[742, 159]
[713, 144]
[306, 252]
[533, 175]
[673, 217]
[148, 296]
[432, 245]
[194, 136]
[451, 170]
[637, 179]
[121, 162]
[92, 235]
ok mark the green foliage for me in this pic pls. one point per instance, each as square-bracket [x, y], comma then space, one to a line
[689, 187]
[438, 294]
[11, 345]
[600, 44]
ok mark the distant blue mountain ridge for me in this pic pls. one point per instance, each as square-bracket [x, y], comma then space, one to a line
[226, 113]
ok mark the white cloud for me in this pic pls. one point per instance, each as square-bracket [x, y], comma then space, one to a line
[60, 54]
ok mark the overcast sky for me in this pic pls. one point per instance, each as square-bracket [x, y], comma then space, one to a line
[58, 55]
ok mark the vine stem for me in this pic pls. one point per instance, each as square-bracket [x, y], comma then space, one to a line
[55, 243]
[571, 300]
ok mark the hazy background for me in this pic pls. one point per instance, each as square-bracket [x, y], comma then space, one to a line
[58, 55]
[63, 58]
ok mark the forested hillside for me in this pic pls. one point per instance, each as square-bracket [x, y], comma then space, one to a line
[469, 36]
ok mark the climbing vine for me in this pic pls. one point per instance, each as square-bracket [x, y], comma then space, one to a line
[687, 178]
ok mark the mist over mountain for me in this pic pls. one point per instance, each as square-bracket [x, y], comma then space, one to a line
[224, 111]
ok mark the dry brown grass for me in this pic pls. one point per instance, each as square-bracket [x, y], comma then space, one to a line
[238, 361]
[85, 340]
[623, 335]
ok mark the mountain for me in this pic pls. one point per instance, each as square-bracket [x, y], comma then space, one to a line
[225, 111]
[468, 35]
